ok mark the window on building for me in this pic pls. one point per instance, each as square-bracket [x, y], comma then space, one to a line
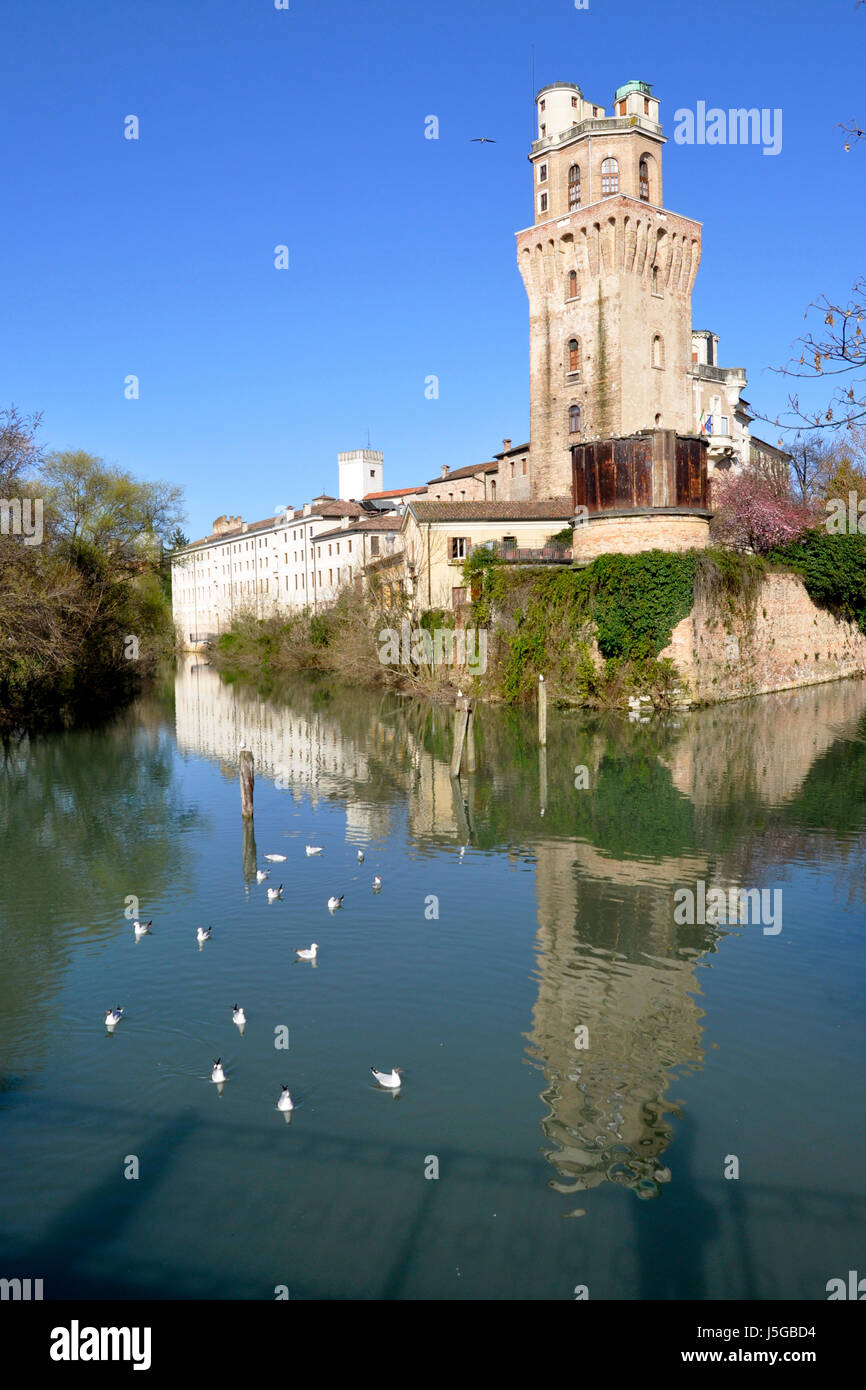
[374, 545]
[656, 280]
[574, 187]
[372, 472]
[658, 351]
[543, 131]
[542, 202]
[329, 549]
[542, 173]
[542, 104]
[573, 356]
[458, 597]
[595, 110]
[493, 489]
[457, 548]
[610, 175]
[621, 108]
[643, 179]
[724, 426]
[524, 467]
[574, 101]
[330, 576]
[574, 419]
[350, 547]
[571, 292]
[511, 466]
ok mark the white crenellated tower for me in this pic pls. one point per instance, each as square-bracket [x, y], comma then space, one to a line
[361, 471]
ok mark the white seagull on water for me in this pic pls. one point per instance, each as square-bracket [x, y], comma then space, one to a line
[303, 954]
[262, 874]
[217, 1075]
[334, 903]
[113, 1017]
[360, 856]
[377, 883]
[142, 928]
[203, 934]
[276, 858]
[285, 1101]
[313, 849]
[238, 1015]
[391, 1079]
[274, 893]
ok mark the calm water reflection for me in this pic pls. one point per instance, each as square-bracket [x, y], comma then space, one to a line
[476, 971]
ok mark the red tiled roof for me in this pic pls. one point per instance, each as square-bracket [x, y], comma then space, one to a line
[326, 510]
[394, 492]
[464, 472]
[384, 521]
[549, 509]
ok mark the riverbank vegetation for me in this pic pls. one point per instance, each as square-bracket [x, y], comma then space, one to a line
[597, 632]
[85, 605]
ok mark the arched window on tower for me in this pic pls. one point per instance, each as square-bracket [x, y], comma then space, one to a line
[573, 356]
[609, 176]
[571, 283]
[656, 289]
[574, 187]
[574, 419]
[643, 177]
[658, 354]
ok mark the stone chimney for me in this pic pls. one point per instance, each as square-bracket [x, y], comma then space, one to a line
[506, 444]
[445, 470]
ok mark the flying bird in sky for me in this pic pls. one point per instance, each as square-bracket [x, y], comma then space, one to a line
[482, 140]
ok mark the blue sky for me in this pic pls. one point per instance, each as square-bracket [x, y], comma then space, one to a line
[305, 127]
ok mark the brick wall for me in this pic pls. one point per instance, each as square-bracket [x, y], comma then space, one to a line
[790, 643]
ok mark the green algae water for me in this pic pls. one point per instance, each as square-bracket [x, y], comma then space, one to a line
[595, 1094]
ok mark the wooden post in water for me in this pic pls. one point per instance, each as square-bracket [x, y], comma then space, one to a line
[470, 740]
[247, 778]
[461, 724]
[542, 712]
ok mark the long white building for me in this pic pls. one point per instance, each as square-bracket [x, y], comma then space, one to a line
[299, 558]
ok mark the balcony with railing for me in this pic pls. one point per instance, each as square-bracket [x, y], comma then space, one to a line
[553, 553]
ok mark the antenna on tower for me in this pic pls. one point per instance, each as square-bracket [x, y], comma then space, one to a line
[532, 81]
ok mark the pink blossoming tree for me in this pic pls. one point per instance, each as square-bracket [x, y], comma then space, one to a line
[750, 515]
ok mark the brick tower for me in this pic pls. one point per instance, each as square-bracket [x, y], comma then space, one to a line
[609, 274]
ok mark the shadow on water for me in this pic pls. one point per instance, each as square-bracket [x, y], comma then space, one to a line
[93, 1229]
[675, 1270]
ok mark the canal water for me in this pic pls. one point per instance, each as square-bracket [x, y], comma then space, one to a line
[599, 1095]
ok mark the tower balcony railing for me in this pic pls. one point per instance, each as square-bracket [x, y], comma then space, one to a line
[594, 123]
